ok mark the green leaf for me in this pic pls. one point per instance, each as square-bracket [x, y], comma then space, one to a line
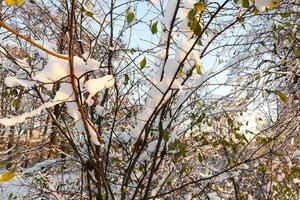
[10, 195]
[116, 160]
[290, 39]
[298, 27]
[28, 59]
[204, 140]
[297, 51]
[282, 96]
[295, 171]
[229, 121]
[13, 92]
[239, 136]
[189, 73]
[225, 143]
[126, 79]
[201, 157]
[262, 168]
[143, 63]
[246, 4]
[197, 30]
[132, 51]
[154, 27]
[199, 42]
[185, 170]
[198, 69]
[201, 118]
[285, 15]
[274, 36]
[287, 24]
[130, 16]
[195, 26]
[192, 24]
[16, 103]
[180, 147]
[89, 13]
[261, 140]
[5, 93]
[124, 189]
[191, 14]
[166, 135]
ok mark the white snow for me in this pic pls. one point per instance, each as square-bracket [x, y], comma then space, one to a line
[169, 13]
[188, 196]
[244, 166]
[13, 120]
[213, 196]
[41, 165]
[250, 123]
[14, 82]
[176, 85]
[46, 44]
[156, 94]
[226, 175]
[296, 154]
[99, 110]
[152, 146]
[189, 4]
[183, 48]
[250, 197]
[64, 93]
[56, 69]
[289, 162]
[18, 186]
[166, 74]
[93, 135]
[96, 85]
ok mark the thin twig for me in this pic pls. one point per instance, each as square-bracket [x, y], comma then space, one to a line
[26, 38]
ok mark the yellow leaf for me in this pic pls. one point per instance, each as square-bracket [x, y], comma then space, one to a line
[271, 5]
[20, 2]
[180, 72]
[51, 154]
[10, 2]
[255, 11]
[14, 2]
[199, 6]
[7, 176]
